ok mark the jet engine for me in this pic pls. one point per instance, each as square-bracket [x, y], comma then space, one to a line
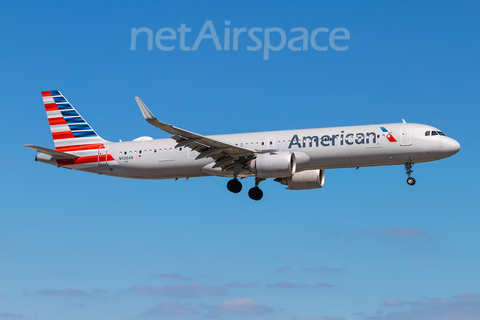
[309, 179]
[274, 165]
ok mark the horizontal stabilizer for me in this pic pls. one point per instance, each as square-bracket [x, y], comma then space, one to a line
[53, 153]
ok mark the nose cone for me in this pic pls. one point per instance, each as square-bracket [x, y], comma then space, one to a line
[452, 146]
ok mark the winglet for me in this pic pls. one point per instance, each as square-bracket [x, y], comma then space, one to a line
[147, 114]
[188, 138]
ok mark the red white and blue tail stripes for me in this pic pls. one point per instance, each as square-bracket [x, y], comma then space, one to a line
[67, 125]
[70, 132]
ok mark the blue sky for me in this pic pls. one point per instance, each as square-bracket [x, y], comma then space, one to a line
[365, 247]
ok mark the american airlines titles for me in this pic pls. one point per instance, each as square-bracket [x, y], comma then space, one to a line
[333, 140]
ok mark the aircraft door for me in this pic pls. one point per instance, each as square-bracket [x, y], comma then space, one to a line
[406, 138]
[103, 156]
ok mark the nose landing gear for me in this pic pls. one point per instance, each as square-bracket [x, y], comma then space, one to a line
[410, 180]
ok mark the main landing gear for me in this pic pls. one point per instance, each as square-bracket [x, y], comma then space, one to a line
[408, 166]
[254, 193]
[234, 186]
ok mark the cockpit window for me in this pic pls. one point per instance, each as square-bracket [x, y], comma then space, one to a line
[434, 133]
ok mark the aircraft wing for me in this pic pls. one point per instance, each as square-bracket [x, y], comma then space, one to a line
[53, 153]
[224, 153]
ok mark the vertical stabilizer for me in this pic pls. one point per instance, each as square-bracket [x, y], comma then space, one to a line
[70, 131]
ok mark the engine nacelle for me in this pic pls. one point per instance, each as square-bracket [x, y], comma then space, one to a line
[274, 165]
[309, 179]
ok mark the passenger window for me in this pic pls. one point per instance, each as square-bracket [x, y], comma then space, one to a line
[434, 133]
[427, 133]
[263, 143]
[271, 142]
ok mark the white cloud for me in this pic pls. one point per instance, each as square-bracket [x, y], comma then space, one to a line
[64, 292]
[325, 269]
[179, 290]
[237, 284]
[172, 308]
[71, 292]
[172, 275]
[77, 305]
[392, 303]
[323, 285]
[464, 306]
[327, 318]
[242, 306]
[284, 269]
[294, 285]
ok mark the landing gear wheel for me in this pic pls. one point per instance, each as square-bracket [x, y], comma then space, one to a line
[411, 181]
[234, 186]
[408, 167]
[255, 193]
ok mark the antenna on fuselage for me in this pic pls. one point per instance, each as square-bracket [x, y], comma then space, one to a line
[403, 120]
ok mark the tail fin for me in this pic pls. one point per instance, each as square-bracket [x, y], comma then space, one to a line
[69, 130]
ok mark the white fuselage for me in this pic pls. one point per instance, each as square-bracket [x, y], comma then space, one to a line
[322, 148]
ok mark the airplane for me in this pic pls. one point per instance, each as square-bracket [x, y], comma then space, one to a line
[295, 158]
